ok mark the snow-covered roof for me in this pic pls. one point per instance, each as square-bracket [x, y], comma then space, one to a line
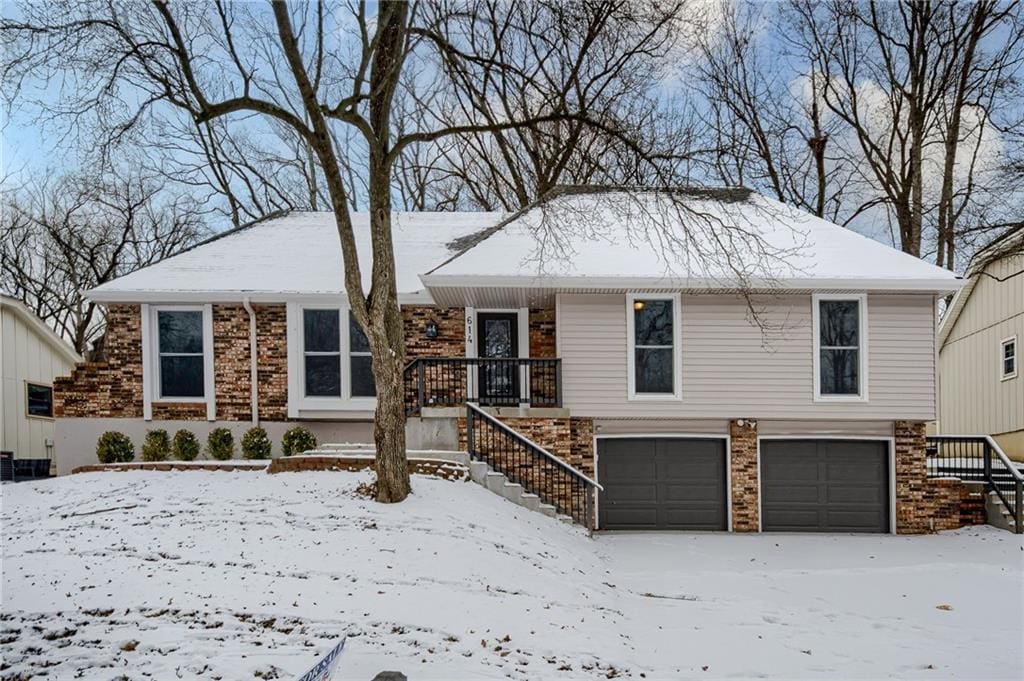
[681, 238]
[299, 253]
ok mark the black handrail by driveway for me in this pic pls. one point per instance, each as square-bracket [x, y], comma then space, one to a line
[979, 458]
[488, 381]
[524, 462]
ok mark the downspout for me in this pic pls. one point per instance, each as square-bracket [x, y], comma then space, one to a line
[254, 388]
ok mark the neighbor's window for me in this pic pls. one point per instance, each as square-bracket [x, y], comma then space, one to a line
[360, 363]
[39, 400]
[1008, 358]
[180, 350]
[653, 341]
[322, 351]
[839, 347]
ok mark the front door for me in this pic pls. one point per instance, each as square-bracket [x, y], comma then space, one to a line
[499, 338]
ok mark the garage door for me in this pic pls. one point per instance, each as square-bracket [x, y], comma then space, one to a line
[661, 484]
[824, 486]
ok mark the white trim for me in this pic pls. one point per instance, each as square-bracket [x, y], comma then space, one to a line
[151, 365]
[855, 438]
[298, 401]
[1016, 358]
[677, 349]
[675, 436]
[862, 346]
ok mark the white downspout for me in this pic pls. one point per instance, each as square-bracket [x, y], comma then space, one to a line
[254, 388]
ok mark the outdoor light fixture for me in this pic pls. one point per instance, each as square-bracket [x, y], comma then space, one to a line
[431, 329]
[638, 304]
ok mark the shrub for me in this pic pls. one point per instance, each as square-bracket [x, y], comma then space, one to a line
[156, 446]
[185, 446]
[220, 443]
[297, 440]
[256, 444]
[114, 447]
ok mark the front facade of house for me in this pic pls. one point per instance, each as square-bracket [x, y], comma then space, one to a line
[982, 385]
[707, 399]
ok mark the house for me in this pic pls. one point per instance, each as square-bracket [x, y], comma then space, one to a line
[31, 356]
[714, 359]
[981, 382]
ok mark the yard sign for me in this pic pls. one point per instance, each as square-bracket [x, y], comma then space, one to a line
[322, 670]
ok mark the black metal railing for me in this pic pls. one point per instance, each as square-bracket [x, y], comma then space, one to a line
[530, 465]
[491, 382]
[978, 458]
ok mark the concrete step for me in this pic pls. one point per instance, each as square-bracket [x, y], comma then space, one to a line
[548, 510]
[567, 519]
[512, 491]
[495, 482]
[478, 471]
[529, 501]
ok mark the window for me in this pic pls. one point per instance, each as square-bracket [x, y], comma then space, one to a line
[840, 348]
[39, 400]
[180, 358]
[323, 350]
[653, 338]
[1008, 358]
[360, 362]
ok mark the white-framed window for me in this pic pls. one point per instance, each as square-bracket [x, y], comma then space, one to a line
[177, 356]
[1008, 358]
[840, 346]
[654, 347]
[332, 363]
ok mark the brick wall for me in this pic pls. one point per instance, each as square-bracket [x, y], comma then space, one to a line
[272, 361]
[542, 333]
[230, 364]
[924, 505]
[451, 327]
[743, 472]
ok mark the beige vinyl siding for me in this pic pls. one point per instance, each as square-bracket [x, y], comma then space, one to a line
[731, 369]
[25, 356]
[974, 398]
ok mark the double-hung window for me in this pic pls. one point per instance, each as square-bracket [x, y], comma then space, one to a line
[1008, 358]
[654, 359]
[840, 347]
[336, 356]
[180, 354]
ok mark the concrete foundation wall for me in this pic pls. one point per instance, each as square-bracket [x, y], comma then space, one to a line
[76, 437]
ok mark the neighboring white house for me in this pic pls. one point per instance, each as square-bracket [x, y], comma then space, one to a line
[31, 356]
[981, 380]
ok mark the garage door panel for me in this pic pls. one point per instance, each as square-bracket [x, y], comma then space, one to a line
[824, 486]
[662, 483]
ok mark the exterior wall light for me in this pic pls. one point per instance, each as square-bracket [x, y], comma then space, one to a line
[638, 304]
[431, 329]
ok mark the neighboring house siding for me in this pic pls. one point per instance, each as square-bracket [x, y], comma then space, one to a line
[973, 397]
[731, 368]
[25, 356]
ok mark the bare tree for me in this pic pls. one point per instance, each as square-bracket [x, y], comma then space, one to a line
[61, 237]
[922, 88]
[313, 68]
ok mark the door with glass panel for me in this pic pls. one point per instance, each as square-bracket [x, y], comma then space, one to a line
[499, 339]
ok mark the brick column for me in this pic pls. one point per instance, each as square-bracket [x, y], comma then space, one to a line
[743, 469]
[912, 513]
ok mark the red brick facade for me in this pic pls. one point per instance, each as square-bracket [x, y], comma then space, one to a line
[744, 476]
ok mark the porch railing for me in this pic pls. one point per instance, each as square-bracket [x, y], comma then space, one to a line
[978, 458]
[487, 381]
[530, 465]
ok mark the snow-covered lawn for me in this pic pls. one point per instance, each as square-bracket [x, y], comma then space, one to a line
[241, 575]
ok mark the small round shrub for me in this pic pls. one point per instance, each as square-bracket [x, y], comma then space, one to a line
[297, 440]
[256, 444]
[185, 446]
[220, 443]
[156, 446]
[114, 447]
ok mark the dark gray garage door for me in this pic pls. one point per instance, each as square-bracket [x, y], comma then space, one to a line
[661, 484]
[824, 486]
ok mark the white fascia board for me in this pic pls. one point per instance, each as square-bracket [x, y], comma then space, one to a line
[128, 297]
[470, 281]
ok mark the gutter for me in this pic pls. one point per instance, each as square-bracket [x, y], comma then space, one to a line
[254, 388]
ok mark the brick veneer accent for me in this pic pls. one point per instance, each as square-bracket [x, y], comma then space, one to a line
[743, 472]
[230, 363]
[272, 361]
[451, 327]
[448, 470]
[169, 466]
[542, 333]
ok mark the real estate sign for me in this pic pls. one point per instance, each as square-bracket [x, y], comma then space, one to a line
[323, 669]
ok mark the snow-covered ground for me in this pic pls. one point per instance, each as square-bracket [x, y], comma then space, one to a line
[241, 575]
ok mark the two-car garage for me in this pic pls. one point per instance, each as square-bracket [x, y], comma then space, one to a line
[806, 485]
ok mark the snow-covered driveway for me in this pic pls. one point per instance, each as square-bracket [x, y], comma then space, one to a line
[233, 575]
